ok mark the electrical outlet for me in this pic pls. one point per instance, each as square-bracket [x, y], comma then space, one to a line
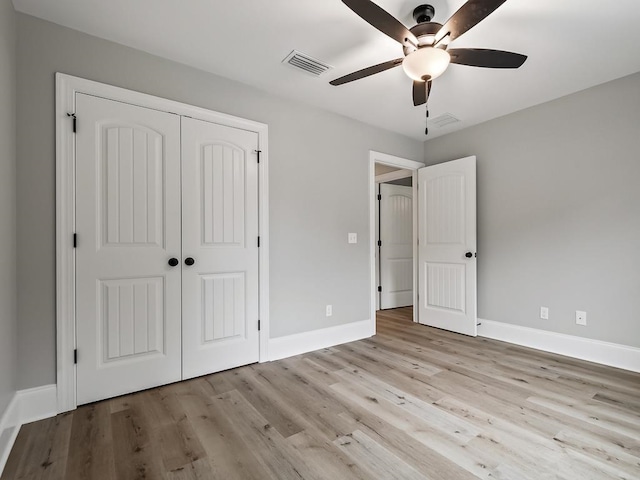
[353, 238]
[581, 317]
[544, 313]
[329, 310]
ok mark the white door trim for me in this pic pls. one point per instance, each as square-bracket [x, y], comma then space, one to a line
[66, 88]
[395, 175]
[413, 166]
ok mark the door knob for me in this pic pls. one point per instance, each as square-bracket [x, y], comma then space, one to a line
[468, 254]
[189, 261]
[173, 262]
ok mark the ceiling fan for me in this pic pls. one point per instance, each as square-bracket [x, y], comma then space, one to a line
[425, 45]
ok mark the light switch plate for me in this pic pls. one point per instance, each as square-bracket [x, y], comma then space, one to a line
[353, 238]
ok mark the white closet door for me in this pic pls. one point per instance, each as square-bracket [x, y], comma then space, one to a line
[396, 251]
[128, 226]
[220, 235]
[447, 246]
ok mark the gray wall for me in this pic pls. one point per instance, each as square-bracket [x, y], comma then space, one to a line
[559, 212]
[318, 181]
[8, 355]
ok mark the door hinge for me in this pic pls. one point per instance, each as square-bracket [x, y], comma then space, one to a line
[258, 242]
[379, 243]
[75, 356]
[75, 240]
[75, 121]
[258, 152]
[379, 197]
[379, 288]
[258, 325]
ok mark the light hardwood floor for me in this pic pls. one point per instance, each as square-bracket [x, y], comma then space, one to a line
[410, 403]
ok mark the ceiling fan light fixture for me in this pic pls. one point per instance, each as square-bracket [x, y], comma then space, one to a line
[426, 62]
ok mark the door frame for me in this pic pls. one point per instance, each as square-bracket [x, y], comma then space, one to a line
[66, 88]
[406, 164]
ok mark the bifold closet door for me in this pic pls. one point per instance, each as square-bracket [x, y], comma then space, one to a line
[220, 247]
[128, 225]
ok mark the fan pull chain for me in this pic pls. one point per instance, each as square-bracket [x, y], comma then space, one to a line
[426, 121]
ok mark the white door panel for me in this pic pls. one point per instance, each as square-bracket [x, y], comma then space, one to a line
[377, 248]
[396, 251]
[128, 226]
[447, 235]
[220, 232]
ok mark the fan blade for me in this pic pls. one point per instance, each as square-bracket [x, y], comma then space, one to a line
[421, 92]
[365, 72]
[467, 17]
[481, 57]
[382, 20]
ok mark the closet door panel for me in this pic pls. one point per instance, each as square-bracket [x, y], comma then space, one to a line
[220, 234]
[128, 225]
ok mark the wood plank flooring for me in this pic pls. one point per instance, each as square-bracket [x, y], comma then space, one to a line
[410, 403]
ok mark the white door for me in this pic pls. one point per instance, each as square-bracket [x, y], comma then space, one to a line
[396, 248]
[377, 262]
[447, 246]
[128, 227]
[220, 235]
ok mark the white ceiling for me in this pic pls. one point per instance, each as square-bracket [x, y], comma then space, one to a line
[571, 44]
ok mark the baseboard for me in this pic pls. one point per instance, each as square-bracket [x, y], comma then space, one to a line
[605, 353]
[299, 343]
[37, 403]
[26, 406]
[9, 427]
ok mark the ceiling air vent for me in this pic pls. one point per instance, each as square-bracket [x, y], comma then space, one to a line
[304, 62]
[443, 120]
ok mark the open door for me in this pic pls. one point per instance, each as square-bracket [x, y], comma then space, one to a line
[447, 246]
[396, 246]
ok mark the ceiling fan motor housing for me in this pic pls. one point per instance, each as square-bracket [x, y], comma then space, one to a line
[424, 32]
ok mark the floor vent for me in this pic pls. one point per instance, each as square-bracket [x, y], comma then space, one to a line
[306, 63]
[443, 120]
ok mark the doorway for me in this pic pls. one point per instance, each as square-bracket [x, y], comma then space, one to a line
[384, 168]
[444, 225]
[394, 227]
